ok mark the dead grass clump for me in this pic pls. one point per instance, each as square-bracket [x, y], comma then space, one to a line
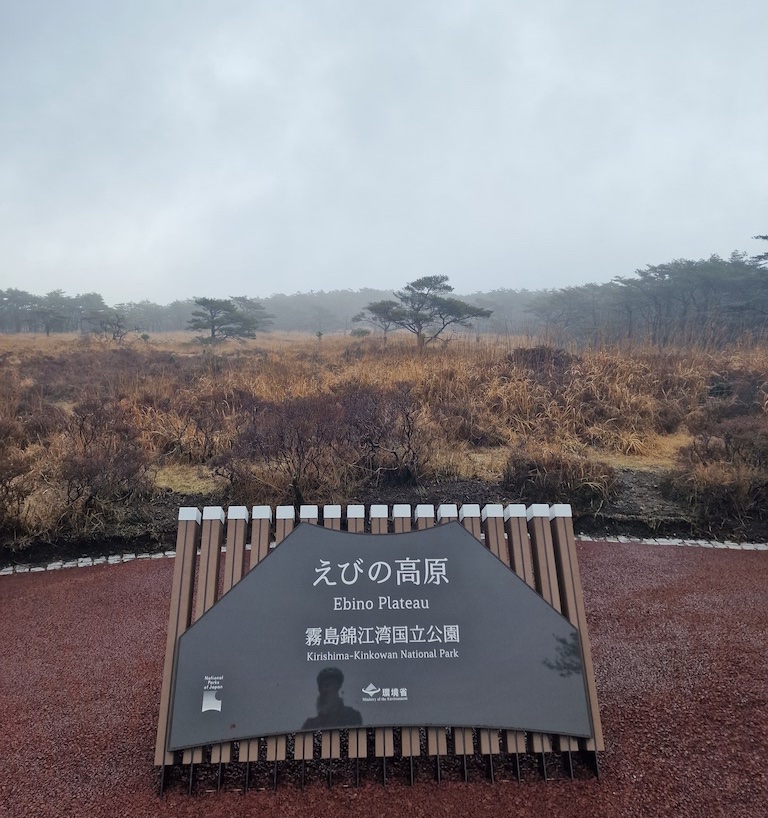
[543, 474]
[723, 474]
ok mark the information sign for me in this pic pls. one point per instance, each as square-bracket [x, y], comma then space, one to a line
[337, 630]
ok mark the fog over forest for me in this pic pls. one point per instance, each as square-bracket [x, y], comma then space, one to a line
[703, 302]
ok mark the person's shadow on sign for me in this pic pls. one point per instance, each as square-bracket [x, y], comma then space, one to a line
[331, 710]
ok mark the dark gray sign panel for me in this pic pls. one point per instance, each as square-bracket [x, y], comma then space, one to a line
[338, 630]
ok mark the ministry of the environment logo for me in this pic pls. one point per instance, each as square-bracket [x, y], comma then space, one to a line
[212, 686]
[372, 693]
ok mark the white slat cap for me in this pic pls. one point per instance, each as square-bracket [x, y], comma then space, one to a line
[424, 510]
[237, 513]
[332, 512]
[469, 510]
[309, 512]
[449, 510]
[401, 510]
[356, 512]
[493, 510]
[213, 513]
[285, 513]
[189, 513]
[538, 510]
[379, 511]
[262, 512]
[560, 510]
[514, 510]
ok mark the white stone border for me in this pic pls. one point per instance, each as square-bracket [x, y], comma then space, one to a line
[727, 544]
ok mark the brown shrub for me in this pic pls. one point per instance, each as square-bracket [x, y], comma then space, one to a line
[536, 474]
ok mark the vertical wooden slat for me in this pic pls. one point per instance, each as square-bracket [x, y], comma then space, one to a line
[358, 736]
[179, 618]
[488, 741]
[330, 741]
[379, 515]
[384, 737]
[437, 741]
[573, 608]
[237, 531]
[309, 514]
[358, 742]
[237, 528]
[261, 517]
[492, 518]
[285, 518]
[469, 515]
[276, 748]
[410, 742]
[462, 741]
[332, 517]
[303, 747]
[545, 572]
[356, 519]
[330, 744]
[519, 546]
[516, 525]
[260, 533]
[514, 741]
[207, 583]
[447, 512]
[401, 518]
[437, 737]
[545, 576]
[210, 559]
[424, 516]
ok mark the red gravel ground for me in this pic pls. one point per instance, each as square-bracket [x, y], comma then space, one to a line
[681, 656]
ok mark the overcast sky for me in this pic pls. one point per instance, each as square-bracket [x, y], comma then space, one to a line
[179, 148]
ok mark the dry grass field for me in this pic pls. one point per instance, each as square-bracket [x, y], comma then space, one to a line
[96, 437]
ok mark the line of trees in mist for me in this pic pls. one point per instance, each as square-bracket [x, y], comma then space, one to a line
[702, 302]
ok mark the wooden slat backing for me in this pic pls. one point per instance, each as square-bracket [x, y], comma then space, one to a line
[207, 583]
[410, 741]
[494, 536]
[537, 543]
[463, 739]
[234, 566]
[285, 520]
[276, 746]
[545, 578]
[358, 736]
[179, 618]
[437, 737]
[330, 741]
[516, 527]
[519, 551]
[573, 608]
[261, 525]
[383, 737]
[495, 541]
[261, 531]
